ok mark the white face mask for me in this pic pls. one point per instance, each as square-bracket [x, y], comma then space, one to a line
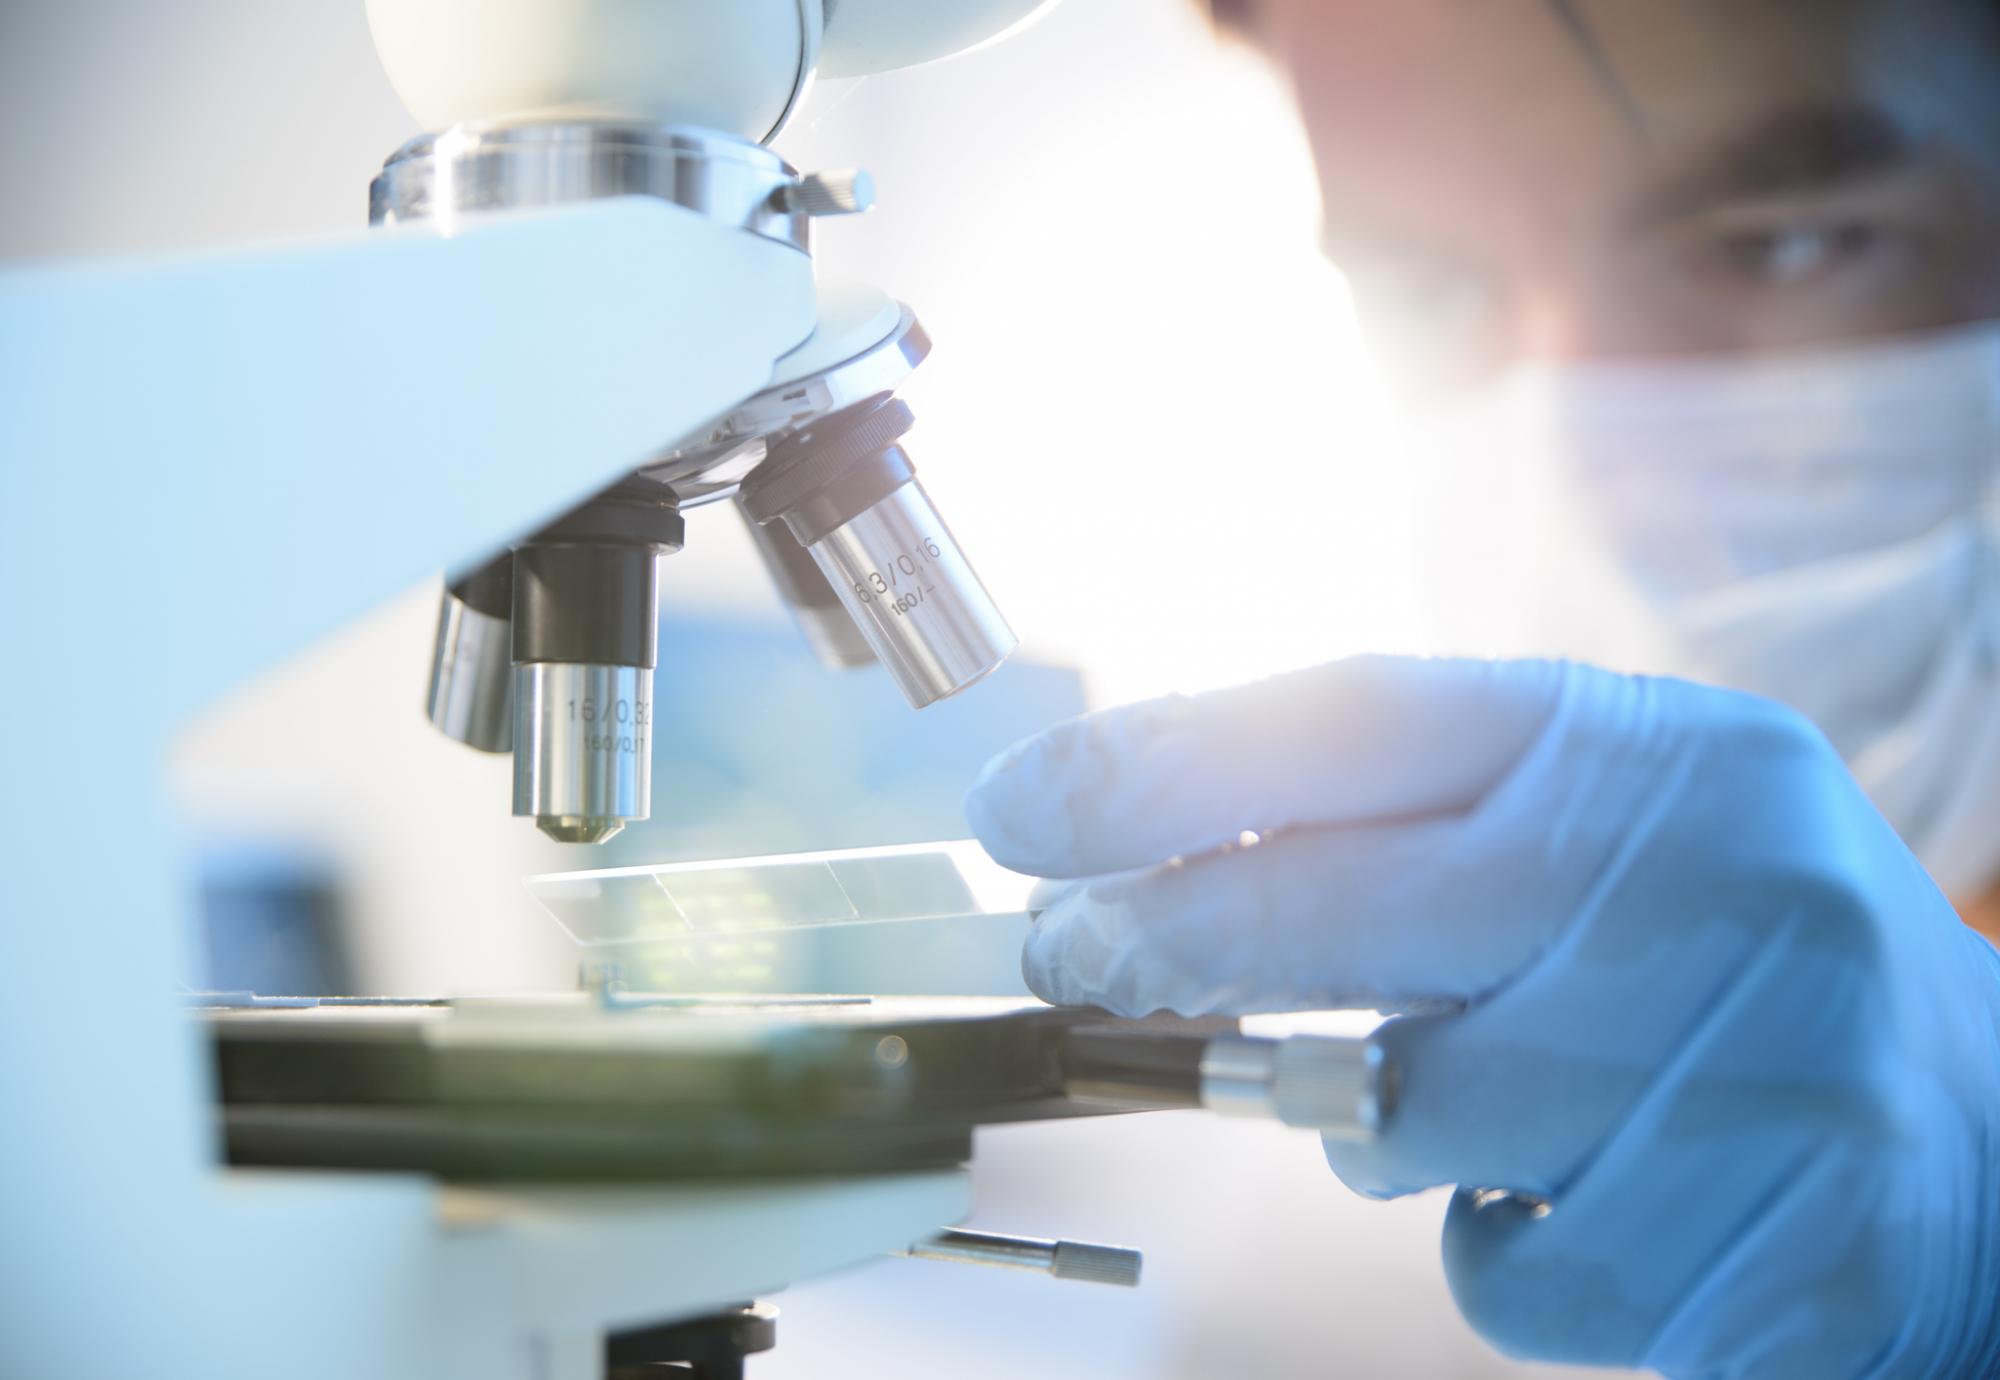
[1822, 529]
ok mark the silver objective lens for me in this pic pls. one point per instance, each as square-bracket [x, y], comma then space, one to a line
[583, 764]
[914, 596]
[472, 677]
[586, 639]
[821, 616]
[847, 493]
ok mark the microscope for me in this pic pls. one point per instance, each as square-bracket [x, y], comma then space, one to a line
[585, 310]
[547, 650]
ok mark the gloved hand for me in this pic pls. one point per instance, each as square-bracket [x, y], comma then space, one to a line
[1699, 997]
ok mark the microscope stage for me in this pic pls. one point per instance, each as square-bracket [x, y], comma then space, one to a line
[632, 1088]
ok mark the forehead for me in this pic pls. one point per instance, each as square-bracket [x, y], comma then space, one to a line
[1512, 117]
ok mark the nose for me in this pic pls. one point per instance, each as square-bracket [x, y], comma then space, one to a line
[1550, 323]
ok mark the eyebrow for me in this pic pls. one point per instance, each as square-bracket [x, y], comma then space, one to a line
[1806, 149]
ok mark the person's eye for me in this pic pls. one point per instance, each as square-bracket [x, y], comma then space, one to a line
[1789, 256]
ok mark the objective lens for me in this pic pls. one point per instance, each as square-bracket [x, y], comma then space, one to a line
[817, 609]
[914, 596]
[472, 669]
[586, 639]
[848, 494]
[586, 736]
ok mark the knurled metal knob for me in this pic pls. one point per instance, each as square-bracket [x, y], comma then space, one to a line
[1096, 1264]
[1340, 1087]
[843, 192]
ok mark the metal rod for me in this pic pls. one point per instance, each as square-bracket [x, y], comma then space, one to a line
[1337, 1086]
[1062, 1259]
[1341, 1087]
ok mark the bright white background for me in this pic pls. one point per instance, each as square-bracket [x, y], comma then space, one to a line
[1148, 420]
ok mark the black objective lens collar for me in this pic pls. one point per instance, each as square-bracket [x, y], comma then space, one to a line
[641, 511]
[825, 475]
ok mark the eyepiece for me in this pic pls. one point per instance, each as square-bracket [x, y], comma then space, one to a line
[847, 492]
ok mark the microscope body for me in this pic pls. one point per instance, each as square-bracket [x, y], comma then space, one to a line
[305, 431]
[250, 415]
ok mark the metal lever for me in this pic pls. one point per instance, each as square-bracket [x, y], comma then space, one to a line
[1062, 1259]
[1333, 1085]
[1340, 1087]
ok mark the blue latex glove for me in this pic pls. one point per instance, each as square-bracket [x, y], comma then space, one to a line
[1705, 1002]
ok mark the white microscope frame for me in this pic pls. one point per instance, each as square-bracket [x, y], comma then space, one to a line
[205, 463]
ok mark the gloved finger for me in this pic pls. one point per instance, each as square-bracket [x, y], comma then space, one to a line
[1709, 1105]
[1559, 1313]
[1599, 1276]
[1367, 738]
[1048, 890]
[1524, 1087]
[1372, 916]
[1480, 1104]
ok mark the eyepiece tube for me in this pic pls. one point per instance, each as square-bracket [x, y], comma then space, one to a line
[846, 491]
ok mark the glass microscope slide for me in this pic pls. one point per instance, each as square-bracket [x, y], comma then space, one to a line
[856, 886]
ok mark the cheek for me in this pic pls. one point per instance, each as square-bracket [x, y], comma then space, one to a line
[1980, 268]
[1421, 352]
